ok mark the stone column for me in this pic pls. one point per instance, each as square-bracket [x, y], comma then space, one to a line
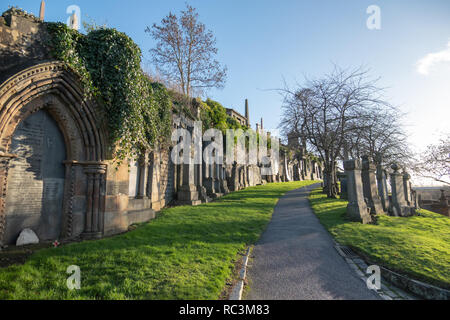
[302, 169]
[95, 200]
[200, 188]
[407, 188]
[234, 177]
[4, 166]
[370, 189]
[356, 208]
[187, 193]
[343, 180]
[209, 180]
[399, 204]
[217, 180]
[143, 176]
[223, 180]
[382, 187]
[154, 179]
[415, 200]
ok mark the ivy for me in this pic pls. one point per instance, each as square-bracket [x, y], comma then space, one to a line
[108, 63]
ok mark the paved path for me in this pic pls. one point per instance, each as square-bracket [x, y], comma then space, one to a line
[295, 258]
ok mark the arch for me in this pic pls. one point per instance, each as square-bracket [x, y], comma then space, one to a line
[53, 87]
[45, 85]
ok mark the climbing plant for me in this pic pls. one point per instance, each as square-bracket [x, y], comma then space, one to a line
[108, 63]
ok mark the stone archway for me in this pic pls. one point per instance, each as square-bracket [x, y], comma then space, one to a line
[51, 89]
[35, 188]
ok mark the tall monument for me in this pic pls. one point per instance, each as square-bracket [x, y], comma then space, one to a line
[42, 11]
[247, 112]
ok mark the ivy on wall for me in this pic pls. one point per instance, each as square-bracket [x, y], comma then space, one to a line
[108, 63]
[137, 110]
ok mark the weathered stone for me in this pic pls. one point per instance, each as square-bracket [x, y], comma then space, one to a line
[382, 188]
[370, 189]
[356, 208]
[399, 204]
[343, 181]
[407, 188]
[27, 236]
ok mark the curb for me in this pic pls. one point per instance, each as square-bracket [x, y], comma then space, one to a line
[388, 290]
[397, 282]
[421, 289]
[236, 292]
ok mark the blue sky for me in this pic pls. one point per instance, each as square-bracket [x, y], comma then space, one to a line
[263, 42]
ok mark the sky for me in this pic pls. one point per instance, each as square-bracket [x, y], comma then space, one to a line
[265, 42]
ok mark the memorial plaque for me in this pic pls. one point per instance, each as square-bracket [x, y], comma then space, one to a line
[36, 178]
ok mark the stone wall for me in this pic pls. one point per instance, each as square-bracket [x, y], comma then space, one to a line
[22, 43]
[44, 117]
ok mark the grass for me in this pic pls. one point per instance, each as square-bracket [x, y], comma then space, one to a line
[186, 253]
[417, 246]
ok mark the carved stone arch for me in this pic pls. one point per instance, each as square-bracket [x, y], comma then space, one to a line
[52, 87]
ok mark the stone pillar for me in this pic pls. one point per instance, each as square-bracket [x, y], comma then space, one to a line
[356, 208]
[286, 175]
[143, 177]
[399, 204]
[95, 200]
[416, 201]
[407, 188]
[4, 166]
[199, 181]
[209, 180]
[370, 189]
[217, 180]
[223, 180]
[154, 179]
[234, 177]
[382, 187]
[188, 194]
[343, 180]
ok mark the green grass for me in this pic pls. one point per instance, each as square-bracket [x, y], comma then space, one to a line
[186, 253]
[417, 246]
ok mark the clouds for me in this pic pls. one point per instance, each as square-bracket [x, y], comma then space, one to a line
[426, 64]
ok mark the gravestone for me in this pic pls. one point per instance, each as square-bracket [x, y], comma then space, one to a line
[370, 188]
[343, 181]
[35, 186]
[356, 208]
[382, 187]
[407, 187]
[399, 205]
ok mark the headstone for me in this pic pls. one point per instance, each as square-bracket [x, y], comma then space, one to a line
[382, 187]
[407, 187]
[188, 193]
[27, 236]
[356, 208]
[370, 189]
[399, 204]
[343, 180]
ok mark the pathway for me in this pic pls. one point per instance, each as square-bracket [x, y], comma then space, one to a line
[295, 258]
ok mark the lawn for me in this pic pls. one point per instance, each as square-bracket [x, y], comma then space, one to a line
[417, 246]
[186, 253]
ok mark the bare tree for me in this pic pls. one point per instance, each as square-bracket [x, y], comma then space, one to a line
[380, 135]
[325, 111]
[184, 52]
[435, 162]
